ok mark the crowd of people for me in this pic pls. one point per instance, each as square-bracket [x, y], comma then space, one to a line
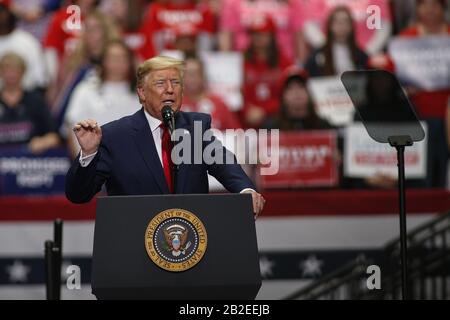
[54, 72]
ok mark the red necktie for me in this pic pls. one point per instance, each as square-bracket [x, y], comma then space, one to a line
[166, 149]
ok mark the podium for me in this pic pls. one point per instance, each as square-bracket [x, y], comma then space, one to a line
[175, 247]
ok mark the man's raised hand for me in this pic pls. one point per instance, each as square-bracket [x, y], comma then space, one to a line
[89, 135]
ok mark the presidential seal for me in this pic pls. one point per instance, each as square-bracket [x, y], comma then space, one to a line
[175, 240]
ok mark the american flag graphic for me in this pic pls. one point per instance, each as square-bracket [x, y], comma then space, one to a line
[300, 237]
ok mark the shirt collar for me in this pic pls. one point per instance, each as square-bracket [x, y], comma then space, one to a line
[152, 121]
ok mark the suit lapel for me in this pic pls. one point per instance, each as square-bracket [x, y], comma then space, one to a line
[146, 145]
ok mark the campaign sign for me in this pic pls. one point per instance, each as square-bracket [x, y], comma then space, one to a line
[224, 72]
[423, 63]
[22, 173]
[331, 100]
[364, 157]
[306, 159]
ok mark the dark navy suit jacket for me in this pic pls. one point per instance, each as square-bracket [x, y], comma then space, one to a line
[127, 161]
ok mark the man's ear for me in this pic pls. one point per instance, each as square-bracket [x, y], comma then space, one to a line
[140, 92]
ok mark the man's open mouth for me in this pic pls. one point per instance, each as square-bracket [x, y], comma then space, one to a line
[168, 102]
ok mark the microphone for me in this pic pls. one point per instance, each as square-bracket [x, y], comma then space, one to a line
[168, 118]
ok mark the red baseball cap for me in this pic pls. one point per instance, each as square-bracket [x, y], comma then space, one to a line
[262, 23]
[293, 71]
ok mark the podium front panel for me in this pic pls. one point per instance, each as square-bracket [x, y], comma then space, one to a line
[122, 268]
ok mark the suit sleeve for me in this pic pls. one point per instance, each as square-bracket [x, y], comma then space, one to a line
[83, 183]
[229, 173]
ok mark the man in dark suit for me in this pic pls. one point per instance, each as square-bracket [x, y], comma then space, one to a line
[132, 156]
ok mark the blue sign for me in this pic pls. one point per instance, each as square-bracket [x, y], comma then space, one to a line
[22, 173]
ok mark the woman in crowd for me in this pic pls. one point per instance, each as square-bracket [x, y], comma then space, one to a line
[24, 117]
[237, 16]
[296, 110]
[373, 22]
[263, 68]
[196, 97]
[340, 53]
[83, 61]
[63, 33]
[109, 96]
[13, 39]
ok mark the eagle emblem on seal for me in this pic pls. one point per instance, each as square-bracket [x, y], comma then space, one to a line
[176, 239]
